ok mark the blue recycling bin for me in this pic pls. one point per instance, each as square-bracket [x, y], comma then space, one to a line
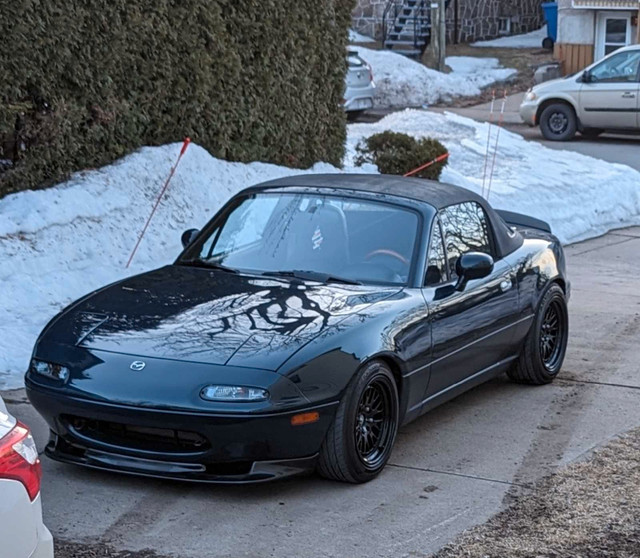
[550, 10]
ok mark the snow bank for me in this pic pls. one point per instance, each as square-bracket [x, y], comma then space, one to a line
[581, 197]
[60, 243]
[355, 37]
[403, 82]
[527, 40]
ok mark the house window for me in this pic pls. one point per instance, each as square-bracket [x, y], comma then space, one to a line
[504, 26]
[614, 32]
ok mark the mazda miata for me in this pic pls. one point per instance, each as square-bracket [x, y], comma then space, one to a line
[307, 321]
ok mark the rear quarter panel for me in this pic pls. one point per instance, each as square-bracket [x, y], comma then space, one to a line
[539, 262]
[19, 520]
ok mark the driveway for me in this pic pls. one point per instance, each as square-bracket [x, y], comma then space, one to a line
[451, 469]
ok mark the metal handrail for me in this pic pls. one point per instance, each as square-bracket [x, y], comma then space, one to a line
[421, 16]
[420, 19]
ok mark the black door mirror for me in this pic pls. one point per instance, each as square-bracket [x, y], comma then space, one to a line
[586, 76]
[472, 265]
[188, 236]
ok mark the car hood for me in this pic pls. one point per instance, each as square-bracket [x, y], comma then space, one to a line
[206, 316]
[566, 84]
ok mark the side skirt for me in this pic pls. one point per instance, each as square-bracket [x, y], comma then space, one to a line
[459, 388]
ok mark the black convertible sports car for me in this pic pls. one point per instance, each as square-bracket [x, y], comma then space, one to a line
[310, 318]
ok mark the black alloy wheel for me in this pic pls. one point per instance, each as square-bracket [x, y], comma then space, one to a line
[374, 425]
[545, 346]
[551, 336]
[359, 442]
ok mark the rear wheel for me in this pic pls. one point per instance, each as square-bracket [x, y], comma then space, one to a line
[558, 122]
[546, 343]
[360, 440]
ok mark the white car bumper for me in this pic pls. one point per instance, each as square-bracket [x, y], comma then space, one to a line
[528, 111]
[359, 98]
[22, 533]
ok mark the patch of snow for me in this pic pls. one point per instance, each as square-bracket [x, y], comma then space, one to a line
[527, 40]
[402, 82]
[60, 243]
[355, 37]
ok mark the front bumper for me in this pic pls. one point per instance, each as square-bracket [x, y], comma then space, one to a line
[178, 444]
[528, 111]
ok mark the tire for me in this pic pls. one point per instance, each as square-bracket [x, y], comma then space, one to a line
[539, 362]
[344, 456]
[591, 132]
[558, 122]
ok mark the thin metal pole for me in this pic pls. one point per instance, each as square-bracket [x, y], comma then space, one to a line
[486, 155]
[495, 151]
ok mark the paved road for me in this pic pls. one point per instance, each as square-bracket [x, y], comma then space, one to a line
[451, 469]
[624, 149]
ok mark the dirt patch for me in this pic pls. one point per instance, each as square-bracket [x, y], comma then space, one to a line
[78, 550]
[588, 510]
[526, 61]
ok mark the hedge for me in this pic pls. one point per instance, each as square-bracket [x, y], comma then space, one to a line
[250, 80]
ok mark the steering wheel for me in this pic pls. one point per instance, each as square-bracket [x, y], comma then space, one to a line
[386, 252]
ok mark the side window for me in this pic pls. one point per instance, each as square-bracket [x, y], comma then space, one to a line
[622, 67]
[466, 229]
[437, 261]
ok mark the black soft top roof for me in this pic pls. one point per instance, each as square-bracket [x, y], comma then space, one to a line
[436, 194]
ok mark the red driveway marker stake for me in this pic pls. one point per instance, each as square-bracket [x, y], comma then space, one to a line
[486, 156]
[186, 143]
[427, 165]
[495, 151]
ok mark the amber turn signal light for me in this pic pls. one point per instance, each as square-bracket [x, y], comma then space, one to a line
[305, 418]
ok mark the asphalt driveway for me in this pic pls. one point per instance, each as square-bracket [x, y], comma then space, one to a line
[452, 469]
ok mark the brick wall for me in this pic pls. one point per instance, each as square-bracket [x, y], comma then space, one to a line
[477, 19]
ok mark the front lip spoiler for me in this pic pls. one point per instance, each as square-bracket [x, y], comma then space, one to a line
[261, 471]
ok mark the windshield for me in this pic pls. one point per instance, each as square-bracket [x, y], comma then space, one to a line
[329, 238]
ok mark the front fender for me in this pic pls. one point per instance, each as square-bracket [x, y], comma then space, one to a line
[395, 330]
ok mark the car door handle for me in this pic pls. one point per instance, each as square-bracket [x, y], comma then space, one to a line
[628, 95]
[505, 286]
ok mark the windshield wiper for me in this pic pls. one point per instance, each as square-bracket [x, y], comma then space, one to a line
[312, 276]
[209, 265]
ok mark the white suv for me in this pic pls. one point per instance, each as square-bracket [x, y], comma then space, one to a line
[605, 96]
[22, 533]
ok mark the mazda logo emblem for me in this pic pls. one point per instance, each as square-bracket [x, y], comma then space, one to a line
[137, 365]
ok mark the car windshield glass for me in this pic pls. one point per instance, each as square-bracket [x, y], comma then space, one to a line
[308, 236]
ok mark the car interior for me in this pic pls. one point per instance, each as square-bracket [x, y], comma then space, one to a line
[370, 242]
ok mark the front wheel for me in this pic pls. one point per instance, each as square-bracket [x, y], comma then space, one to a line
[546, 343]
[558, 122]
[360, 440]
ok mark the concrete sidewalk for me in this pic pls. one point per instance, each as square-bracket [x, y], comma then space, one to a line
[452, 469]
[482, 113]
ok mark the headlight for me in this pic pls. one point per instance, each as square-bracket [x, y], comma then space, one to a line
[530, 96]
[233, 393]
[50, 370]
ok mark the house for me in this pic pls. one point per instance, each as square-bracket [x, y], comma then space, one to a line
[591, 29]
[467, 20]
